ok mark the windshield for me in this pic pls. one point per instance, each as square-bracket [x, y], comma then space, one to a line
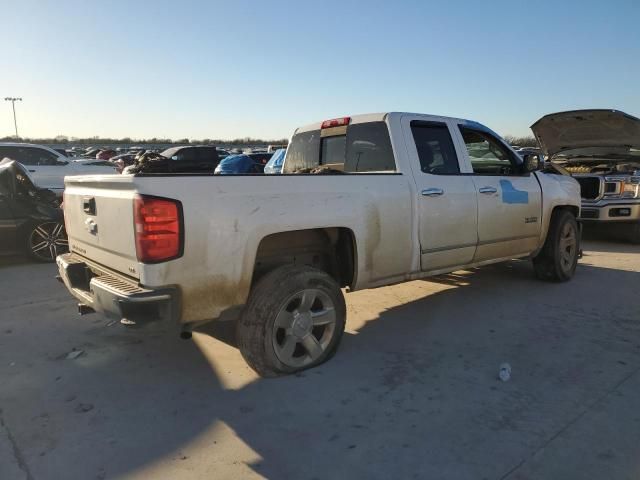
[170, 152]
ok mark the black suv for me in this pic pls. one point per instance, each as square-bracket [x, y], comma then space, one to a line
[31, 219]
[196, 158]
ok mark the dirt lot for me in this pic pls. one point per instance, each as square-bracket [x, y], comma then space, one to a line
[412, 393]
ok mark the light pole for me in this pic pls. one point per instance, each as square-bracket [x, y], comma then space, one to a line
[13, 101]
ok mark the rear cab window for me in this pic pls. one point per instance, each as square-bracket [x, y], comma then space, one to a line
[355, 148]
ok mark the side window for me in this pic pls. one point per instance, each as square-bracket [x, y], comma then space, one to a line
[368, 148]
[5, 152]
[435, 148]
[488, 156]
[187, 155]
[36, 156]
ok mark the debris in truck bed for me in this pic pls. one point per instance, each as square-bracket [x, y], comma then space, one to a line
[152, 162]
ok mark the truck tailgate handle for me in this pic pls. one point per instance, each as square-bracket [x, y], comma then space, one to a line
[89, 205]
[488, 190]
[432, 192]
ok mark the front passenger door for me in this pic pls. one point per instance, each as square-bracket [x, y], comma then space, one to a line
[509, 199]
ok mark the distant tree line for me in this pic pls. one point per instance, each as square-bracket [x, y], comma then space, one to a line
[64, 140]
[528, 141]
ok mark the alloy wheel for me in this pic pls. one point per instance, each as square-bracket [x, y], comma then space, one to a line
[568, 246]
[48, 240]
[304, 328]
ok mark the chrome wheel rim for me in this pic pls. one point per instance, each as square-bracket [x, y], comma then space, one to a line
[304, 327]
[568, 246]
[48, 240]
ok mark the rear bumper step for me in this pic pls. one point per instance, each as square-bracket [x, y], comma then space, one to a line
[117, 297]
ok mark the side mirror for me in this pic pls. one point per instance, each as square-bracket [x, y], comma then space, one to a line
[531, 162]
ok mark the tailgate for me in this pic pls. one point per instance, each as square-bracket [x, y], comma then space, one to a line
[99, 219]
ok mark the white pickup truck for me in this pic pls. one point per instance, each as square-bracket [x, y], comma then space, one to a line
[363, 202]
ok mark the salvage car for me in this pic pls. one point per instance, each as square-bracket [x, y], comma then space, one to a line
[194, 158]
[238, 164]
[601, 150]
[363, 202]
[31, 221]
[47, 167]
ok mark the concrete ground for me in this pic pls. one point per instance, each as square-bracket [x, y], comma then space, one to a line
[412, 393]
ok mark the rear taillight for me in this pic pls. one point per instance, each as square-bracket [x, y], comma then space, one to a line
[336, 122]
[158, 223]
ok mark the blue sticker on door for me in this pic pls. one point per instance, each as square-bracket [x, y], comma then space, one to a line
[511, 194]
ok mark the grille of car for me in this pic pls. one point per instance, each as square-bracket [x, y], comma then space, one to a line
[589, 213]
[589, 187]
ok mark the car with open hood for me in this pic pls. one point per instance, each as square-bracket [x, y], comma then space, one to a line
[601, 150]
[31, 221]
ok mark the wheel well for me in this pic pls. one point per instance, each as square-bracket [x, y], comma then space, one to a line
[329, 249]
[569, 208]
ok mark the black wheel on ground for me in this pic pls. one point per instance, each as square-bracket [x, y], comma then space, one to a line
[294, 320]
[46, 240]
[558, 258]
[634, 234]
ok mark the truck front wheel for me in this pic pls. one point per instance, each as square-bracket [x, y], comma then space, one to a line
[558, 258]
[294, 320]
[634, 233]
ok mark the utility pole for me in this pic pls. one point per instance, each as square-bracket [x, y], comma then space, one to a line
[13, 101]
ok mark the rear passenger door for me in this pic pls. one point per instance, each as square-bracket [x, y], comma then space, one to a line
[509, 199]
[447, 203]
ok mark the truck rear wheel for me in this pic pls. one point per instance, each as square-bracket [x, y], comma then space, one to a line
[294, 320]
[558, 258]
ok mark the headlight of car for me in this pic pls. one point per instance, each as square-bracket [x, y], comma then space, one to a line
[630, 187]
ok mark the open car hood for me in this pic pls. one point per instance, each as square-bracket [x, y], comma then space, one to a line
[587, 130]
[10, 169]
[14, 178]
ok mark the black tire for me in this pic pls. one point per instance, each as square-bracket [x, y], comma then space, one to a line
[255, 329]
[46, 240]
[555, 262]
[633, 235]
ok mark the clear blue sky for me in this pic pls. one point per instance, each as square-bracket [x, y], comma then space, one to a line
[207, 69]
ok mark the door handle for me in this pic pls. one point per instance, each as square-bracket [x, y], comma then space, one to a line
[432, 192]
[488, 190]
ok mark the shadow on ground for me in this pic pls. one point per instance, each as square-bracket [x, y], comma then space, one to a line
[411, 394]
